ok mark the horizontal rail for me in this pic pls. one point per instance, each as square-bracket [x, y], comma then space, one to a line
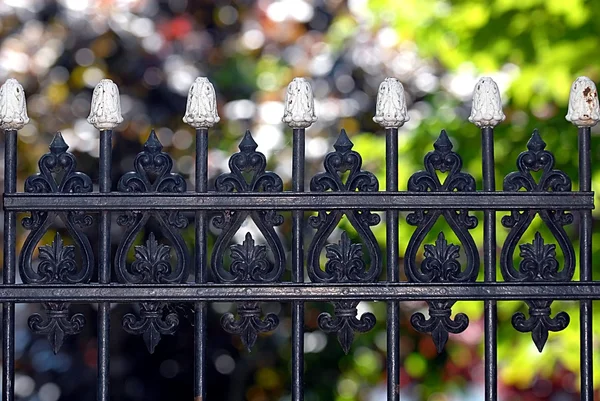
[297, 291]
[305, 201]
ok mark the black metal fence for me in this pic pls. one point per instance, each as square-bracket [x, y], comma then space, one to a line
[155, 274]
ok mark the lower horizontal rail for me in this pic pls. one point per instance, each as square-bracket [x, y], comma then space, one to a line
[297, 291]
[299, 200]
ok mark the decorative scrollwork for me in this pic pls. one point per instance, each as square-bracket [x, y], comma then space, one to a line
[440, 263]
[152, 264]
[345, 262]
[57, 261]
[57, 264]
[58, 161]
[56, 324]
[248, 175]
[345, 323]
[249, 323]
[152, 261]
[154, 321]
[539, 322]
[538, 263]
[539, 259]
[343, 160]
[152, 175]
[249, 262]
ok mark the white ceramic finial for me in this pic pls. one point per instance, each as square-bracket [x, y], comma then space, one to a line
[487, 104]
[390, 111]
[201, 109]
[105, 112]
[299, 104]
[13, 108]
[583, 103]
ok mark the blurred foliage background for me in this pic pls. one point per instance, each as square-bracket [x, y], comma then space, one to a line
[250, 50]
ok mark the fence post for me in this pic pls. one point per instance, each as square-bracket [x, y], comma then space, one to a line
[201, 113]
[299, 114]
[391, 114]
[105, 114]
[12, 118]
[486, 113]
[584, 113]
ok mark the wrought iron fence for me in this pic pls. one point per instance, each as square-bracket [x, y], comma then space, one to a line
[343, 273]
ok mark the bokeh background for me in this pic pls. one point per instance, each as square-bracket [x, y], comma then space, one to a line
[250, 50]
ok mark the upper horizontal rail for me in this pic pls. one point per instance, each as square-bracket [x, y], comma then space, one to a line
[286, 292]
[297, 200]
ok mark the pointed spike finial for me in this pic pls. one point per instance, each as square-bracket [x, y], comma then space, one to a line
[487, 104]
[343, 143]
[540, 341]
[443, 144]
[583, 103]
[58, 144]
[105, 111]
[201, 108]
[13, 107]
[346, 338]
[299, 104]
[391, 110]
[151, 338]
[248, 144]
[153, 143]
[440, 338]
[536, 143]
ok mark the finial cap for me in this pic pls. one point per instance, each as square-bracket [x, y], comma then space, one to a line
[299, 104]
[201, 109]
[391, 110]
[105, 112]
[583, 103]
[487, 104]
[13, 108]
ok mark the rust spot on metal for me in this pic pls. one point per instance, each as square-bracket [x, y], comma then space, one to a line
[587, 91]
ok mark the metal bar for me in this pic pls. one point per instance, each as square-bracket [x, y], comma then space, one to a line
[298, 268]
[393, 271]
[9, 270]
[286, 292]
[489, 265]
[302, 201]
[104, 265]
[200, 329]
[585, 268]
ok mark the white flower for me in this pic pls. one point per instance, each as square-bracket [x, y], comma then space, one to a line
[583, 103]
[105, 112]
[201, 109]
[299, 104]
[391, 111]
[487, 104]
[13, 108]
